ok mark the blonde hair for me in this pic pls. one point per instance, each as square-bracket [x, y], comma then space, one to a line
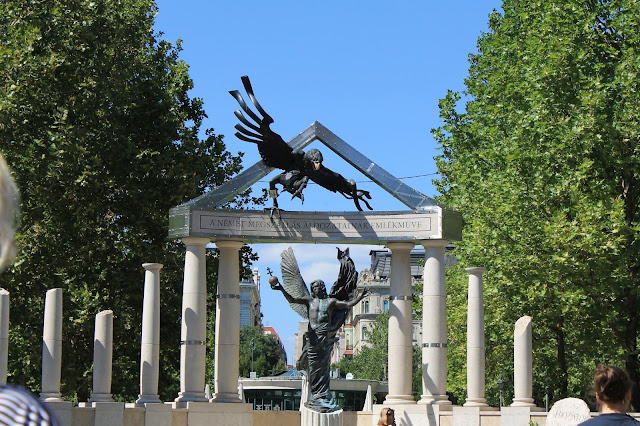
[384, 416]
[8, 214]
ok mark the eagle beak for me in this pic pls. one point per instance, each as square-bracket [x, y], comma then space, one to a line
[317, 165]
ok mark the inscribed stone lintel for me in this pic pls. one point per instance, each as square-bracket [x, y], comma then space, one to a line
[319, 227]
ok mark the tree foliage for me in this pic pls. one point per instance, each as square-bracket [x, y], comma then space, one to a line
[103, 138]
[543, 162]
[266, 353]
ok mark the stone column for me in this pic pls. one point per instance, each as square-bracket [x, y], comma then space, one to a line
[523, 364]
[150, 346]
[475, 341]
[102, 358]
[400, 324]
[52, 346]
[227, 347]
[434, 325]
[4, 335]
[194, 322]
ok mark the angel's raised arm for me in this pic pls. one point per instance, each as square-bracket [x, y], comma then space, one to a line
[342, 305]
[275, 285]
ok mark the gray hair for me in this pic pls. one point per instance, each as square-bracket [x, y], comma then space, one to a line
[8, 215]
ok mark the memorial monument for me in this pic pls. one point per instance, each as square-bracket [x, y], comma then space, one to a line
[206, 219]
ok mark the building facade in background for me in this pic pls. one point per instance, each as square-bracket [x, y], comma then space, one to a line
[250, 314]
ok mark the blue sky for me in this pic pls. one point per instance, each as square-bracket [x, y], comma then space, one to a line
[371, 72]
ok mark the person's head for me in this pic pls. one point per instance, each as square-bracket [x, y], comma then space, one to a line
[8, 214]
[387, 417]
[613, 387]
[318, 289]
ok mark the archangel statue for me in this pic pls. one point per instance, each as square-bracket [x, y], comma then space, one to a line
[298, 166]
[326, 314]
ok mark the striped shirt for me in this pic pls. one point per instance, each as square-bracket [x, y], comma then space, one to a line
[19, 407]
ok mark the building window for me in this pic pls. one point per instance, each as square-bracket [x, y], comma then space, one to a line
[365, 333]
[413, 333]
[365, 307]
[386, 305]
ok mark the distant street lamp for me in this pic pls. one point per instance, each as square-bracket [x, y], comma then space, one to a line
[500, 383]
[252, 344]
[546, 391]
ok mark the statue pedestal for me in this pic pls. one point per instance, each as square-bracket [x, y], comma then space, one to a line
[314, 418]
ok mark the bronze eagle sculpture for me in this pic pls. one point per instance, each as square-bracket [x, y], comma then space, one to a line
[298, 167]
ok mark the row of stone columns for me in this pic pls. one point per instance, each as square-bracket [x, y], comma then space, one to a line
[434, 333]
[193, 335]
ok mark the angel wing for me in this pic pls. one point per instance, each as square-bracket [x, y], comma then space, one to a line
[273, 149]
[292, 281]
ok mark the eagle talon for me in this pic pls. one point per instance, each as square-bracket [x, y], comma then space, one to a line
[273, 209]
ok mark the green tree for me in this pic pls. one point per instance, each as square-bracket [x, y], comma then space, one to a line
[266, 353]
[103, 138]
[543, 164]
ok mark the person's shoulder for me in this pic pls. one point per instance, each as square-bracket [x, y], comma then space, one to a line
[611, 419]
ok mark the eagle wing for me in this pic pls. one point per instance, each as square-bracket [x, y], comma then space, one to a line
[345, 286]
[292, 281]
[274, 151]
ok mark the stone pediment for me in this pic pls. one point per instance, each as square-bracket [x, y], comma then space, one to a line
[187, 219]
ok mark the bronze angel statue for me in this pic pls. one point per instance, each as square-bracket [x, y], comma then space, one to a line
[326, 314]
[298, 166]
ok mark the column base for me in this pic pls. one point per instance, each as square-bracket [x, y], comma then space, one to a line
[185, 397]
[226, 397]
[475, 402]
[399, 399]
[51, 397]
[523, 402]
[434, 400]
[147, 399]
[101, 397]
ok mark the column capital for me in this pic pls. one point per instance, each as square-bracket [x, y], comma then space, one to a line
[434, 243]
[234, 244]
[195, 241]
[152, 266]
[475, 270]
[400, 245]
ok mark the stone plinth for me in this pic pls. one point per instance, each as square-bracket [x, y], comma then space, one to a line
[313, 418]
[62, 410]
[222, 413]
[108, 413]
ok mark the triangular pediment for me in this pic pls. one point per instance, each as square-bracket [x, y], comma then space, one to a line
[226, 192]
